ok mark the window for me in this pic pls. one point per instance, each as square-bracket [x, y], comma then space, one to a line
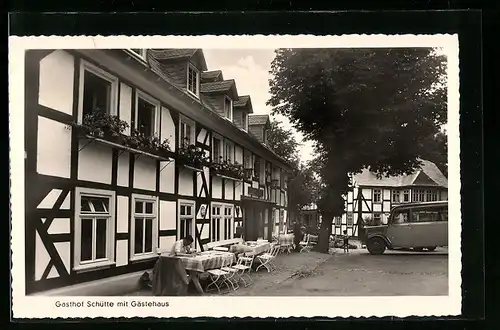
[228, 221]
[418, 195]
[228, 108]
[147, 115]
[139, 52]
[350, 219]
[256, 167]
[98, 91]
[377, 220]
[228, 151]
[144, 226]
[94, 228]
[215, 223]
[281, 220]
[444, 214]
[186, 218]
[400, 217]
[186, 132]
[425, 215]
[193, 80]
[395, 196]
[338, 221]
[377, 195]
[406, 195]
[217, 149]
[244, 120]
[434, 195]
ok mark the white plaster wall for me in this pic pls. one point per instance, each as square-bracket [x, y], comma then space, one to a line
[56, 81]
[122, 218]
[42, 258]
[377, 207]
[54, 148]
[126, 105]
[50, 199]
[166, 243]
[205, 233]
[122, 177]
[201, 136]
[121, 252]
[167, 177]
[168, 215]
[365, 208]
[387, 194]
[95, 162]
[244, 190]
[145, 173]
[216, 187]
[186, 182]
[59, 226]
[349, 197]
[387, 206]
[167, 128]
[238, 190]
[228, 187]
[367, 193]
[64, 250]
[66, 203]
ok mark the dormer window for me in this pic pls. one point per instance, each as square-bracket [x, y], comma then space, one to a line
[193, 80]
[228, 108]
[141, 53]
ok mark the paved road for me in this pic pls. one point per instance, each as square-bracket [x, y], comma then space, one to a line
[355, 274]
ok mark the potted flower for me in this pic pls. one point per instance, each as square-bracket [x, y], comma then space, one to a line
[190, 155]
[101, 125]
[226, 168]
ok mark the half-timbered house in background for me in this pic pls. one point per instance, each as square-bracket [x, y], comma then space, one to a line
[100, 207]
[372, 198]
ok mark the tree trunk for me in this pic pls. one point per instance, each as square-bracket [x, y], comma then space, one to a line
[324, 235]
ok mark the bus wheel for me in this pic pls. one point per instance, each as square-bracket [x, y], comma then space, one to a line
[376, 246]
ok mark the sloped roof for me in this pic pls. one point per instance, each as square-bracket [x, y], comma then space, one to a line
[244, 101]
[209, 75]
[220, 86]
[367, 178]
[258, 119]
[176, 53]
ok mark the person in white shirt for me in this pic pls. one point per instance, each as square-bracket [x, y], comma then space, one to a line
[182, 246]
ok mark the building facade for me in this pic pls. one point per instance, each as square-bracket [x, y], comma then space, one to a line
[101, 204]
[372, 198]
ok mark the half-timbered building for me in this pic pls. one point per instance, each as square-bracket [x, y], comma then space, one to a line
[372, 198]
[101, 205]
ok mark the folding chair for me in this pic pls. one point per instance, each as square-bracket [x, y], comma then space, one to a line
[306, 244]
[232, 275]
[244, 266]
[266, 259]
[217, 277]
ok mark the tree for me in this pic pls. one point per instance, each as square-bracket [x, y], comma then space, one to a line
[364, 108]
[302, 183]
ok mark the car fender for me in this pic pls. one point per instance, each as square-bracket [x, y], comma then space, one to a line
[385, 238]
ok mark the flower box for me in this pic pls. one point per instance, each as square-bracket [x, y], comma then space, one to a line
[228, 170]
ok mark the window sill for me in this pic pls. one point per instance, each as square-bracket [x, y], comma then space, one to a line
[93, 266]
[146, 257]
[197, 97]
[137, 57]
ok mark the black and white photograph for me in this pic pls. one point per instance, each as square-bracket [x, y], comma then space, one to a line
[241, 175]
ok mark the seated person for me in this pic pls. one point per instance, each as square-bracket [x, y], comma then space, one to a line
[182, 246]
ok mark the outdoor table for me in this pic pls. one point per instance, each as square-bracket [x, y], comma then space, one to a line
[250, 248]
[201, 262]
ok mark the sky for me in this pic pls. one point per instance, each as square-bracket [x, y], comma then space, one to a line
[250, 69]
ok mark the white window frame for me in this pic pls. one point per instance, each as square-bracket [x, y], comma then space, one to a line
[230, 218]
[110, 228]
[245, 120]
[142, 55]
[219, 216]
[231, 157]
[221, 147]
[156, 116]
[379, 201]
[191, 203]
[395, 193]
[154, 236]
[189, 122]
[408, 192]
[229, 115]
[113, 95]
[192, 67]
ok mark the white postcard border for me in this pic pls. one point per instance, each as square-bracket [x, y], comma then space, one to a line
[45, 307]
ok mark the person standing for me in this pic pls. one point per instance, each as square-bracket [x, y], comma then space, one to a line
[346, 242]
[297, 235]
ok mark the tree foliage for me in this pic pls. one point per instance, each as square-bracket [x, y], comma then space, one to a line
[302, 183]
[364, 108]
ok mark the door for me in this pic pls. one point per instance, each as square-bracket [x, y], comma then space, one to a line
[399, 230]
